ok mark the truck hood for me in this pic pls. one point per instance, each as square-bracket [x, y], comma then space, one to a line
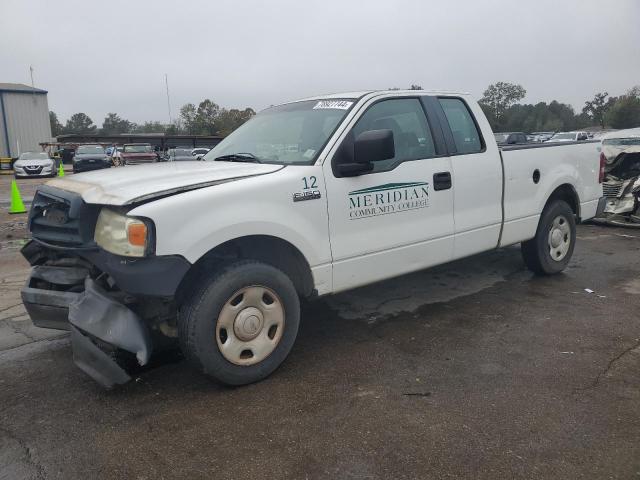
[133, 184]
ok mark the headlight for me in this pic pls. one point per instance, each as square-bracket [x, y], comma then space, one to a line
[120, 234]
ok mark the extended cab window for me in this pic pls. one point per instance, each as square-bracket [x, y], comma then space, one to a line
[465, 133]
[406, 119]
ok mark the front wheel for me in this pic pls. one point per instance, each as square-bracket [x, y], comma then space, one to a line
[550, 250]
[240, 324]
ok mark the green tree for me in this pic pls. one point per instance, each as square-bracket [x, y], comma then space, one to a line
[188, 116]
[206, 117]
[151, 127]
[229, 120]
[114, 125]
[56, 126]
[497, 98]
[597, 108]
[625, 112]
[175, 128]
[80, 123]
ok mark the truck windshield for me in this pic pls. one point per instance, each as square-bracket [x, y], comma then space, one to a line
[291, 134]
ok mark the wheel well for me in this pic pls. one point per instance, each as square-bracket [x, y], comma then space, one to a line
[270, 250]
[567, 193]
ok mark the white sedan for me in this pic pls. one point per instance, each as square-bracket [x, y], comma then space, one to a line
[199, 152]
[34, 164]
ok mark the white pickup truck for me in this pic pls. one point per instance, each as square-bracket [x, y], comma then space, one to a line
[306, 199]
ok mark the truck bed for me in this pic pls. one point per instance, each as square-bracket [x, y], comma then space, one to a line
[576, 163]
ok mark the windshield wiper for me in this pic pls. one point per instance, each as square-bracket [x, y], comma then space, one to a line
[238, 157]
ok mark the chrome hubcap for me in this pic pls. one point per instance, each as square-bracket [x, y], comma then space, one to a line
[250, 325]
[559, 238]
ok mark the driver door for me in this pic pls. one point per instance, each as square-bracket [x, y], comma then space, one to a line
[398, 217]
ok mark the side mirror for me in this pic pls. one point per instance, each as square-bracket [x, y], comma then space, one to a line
[370, 146]
[374, 146]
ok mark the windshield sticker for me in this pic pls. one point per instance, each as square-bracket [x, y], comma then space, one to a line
[388, 198]
[309, 153]
[336, 104]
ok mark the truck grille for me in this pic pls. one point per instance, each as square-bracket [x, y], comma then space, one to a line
[62, 218]
[611, 189]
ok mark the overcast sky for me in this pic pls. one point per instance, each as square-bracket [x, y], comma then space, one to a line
[99, 57]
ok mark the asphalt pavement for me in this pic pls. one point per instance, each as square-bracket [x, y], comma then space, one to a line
[475, 369]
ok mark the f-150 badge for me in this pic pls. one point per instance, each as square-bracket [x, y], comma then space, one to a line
[308, 195]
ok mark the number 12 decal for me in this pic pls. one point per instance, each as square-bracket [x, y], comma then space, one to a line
[311, 182]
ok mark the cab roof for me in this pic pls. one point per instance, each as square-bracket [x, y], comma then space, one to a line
[356, 95]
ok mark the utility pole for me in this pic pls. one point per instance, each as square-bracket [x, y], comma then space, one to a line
[33, 92]
[166, 82]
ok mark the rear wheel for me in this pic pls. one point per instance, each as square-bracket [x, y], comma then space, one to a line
[551, 249]
[241, 323]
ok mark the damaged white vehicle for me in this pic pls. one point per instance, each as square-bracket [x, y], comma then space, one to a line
[306, 199]
[620, 152]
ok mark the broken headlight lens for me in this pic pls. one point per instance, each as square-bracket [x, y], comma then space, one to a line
[120, 234]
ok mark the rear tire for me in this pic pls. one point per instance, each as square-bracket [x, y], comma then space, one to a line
[240, 323]
[551, 249]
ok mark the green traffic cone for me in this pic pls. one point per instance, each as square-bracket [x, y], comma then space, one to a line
[61, 171]
[16, 201]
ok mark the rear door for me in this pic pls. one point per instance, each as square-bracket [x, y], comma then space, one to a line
[477, 175]
[399, 217]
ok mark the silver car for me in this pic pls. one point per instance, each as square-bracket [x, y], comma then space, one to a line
[34, 164]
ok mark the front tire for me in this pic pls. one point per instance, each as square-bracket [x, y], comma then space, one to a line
[551, 249]
[240, 324]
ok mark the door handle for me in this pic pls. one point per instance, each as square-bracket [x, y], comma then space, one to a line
[442, 181]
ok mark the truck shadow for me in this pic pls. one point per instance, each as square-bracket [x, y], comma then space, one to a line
[333, 324]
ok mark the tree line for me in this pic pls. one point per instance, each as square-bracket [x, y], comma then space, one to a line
[500, 104]
[208, 118]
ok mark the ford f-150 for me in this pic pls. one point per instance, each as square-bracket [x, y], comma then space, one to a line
[306, 199]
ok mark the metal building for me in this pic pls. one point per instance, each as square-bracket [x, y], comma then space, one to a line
[24, 119]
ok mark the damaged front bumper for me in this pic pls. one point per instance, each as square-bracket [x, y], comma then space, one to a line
[95, 318]
[100, 325]
[113, 330]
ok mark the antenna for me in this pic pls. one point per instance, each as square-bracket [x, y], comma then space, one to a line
[166, 81]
